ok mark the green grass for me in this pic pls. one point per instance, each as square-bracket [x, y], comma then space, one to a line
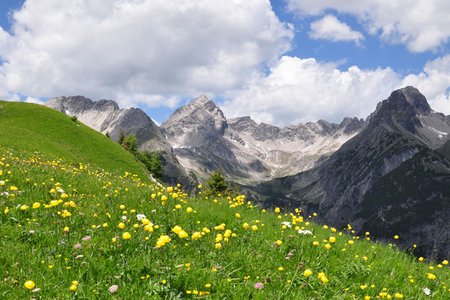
[34, 127]
[36, 245]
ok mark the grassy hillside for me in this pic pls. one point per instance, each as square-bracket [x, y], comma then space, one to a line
[78, 232]
[74, 231]
[34, 127]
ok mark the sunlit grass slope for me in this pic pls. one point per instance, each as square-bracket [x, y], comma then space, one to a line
[76, 232]
[34, 127]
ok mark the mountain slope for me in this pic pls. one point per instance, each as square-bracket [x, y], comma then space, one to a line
[413, 201]
[34, 127]
[105, 116]
[204, 140]
[396, 133]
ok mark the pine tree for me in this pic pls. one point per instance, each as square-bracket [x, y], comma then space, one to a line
[217, 183]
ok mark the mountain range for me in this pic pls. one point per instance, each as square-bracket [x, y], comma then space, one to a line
[388, 174]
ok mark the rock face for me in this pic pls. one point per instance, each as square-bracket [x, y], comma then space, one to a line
[389, 179]
[105, 116]
[204, 140]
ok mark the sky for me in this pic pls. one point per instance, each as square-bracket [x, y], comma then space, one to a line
[280, 62]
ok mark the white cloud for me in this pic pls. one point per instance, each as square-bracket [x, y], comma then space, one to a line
[300, 90]
[434, 82]
[330, 28]
[158, 52]
[128, 49]
[421, 25]
[306, 90]
[33, 100]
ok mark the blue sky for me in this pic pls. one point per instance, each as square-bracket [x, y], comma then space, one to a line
[5, 7]
[312, 60]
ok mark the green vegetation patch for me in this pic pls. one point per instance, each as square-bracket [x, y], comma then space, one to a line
[35, 127]
[78, 232]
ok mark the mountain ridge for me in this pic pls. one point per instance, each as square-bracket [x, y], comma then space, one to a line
[201, 136]
[338, 188]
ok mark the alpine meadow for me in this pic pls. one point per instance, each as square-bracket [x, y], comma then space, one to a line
[224, 149]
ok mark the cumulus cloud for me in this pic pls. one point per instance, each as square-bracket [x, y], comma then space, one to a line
[434, 82]
[300, 90]
[421, 25]
[128, 49]
[330, 28]
[159, 52]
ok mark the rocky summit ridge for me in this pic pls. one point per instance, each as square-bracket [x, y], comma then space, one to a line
[204, 140]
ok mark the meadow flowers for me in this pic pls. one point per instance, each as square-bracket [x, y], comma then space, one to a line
[29, 284]
[258, 285]
[191, 246]
[113, 289]
[162, 241]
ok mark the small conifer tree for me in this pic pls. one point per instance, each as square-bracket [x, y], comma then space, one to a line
[216, 183]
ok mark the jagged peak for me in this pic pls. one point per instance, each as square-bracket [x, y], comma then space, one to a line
[403, 107]
[64, 103]
[202, 102]
[242, 119]
[199, 112]
[202, 99]
[242, 123]
[412, 96]
[105, 102]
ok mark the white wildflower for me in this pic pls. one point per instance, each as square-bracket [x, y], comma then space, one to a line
[288, 224]
[113, 289]
[140, 217]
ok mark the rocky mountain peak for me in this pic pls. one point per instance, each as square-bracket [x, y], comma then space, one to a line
[245, 124]
[201, 100]
[201, 115]
[409, 96]
[71, 104]
[103, 115]
[403, 107]
[106, 104]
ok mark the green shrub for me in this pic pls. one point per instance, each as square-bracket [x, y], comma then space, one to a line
[129, 142]
[152, 162]
[216, 183]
